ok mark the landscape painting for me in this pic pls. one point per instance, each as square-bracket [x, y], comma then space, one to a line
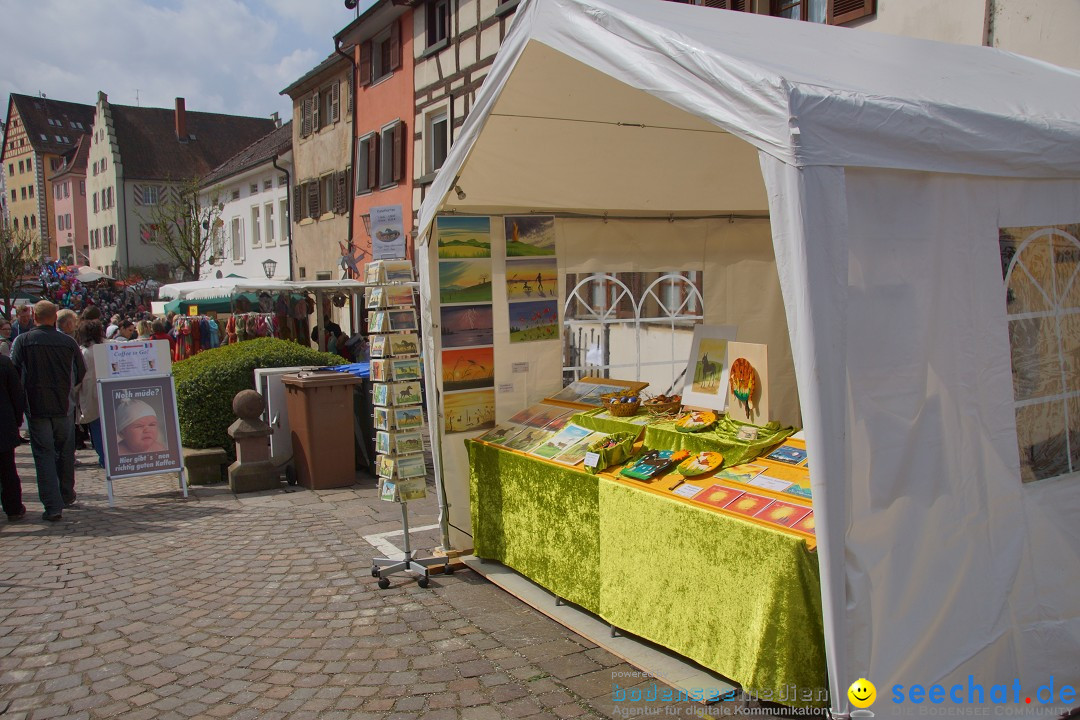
[469, 411]
[468, 369]
[464, 237]
[532, 279]
[531, 321]
[467, 326]
[529, 235]
[464, 281]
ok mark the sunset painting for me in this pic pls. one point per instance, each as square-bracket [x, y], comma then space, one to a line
[468, 369]
[468, 411]
[532, 279]
[462, 281]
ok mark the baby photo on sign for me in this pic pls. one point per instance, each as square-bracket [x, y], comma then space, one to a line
[139, 426]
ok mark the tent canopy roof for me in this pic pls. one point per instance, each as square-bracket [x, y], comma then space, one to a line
[578, 79]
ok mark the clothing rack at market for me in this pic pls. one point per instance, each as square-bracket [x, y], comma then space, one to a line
[194, 333]
[251, 325]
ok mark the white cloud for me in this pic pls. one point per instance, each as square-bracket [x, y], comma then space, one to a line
[231, 56]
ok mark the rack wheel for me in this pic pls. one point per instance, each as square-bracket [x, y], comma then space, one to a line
[422, 581]
[374, 572]
[290, 474]
[384, 583]
[448, 569]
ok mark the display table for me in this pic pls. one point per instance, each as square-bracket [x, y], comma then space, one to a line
[739, 598]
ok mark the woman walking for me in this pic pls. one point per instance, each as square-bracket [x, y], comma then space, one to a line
[89, 334]
[12, 407]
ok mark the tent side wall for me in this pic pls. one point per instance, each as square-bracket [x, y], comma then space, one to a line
[954, 568]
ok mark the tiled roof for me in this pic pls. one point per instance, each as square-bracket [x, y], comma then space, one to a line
[262, 150]
[150, 151]
[75, 159]
[333, 60]
[51, 119]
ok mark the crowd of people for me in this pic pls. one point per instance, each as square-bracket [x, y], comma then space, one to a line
[47, 375]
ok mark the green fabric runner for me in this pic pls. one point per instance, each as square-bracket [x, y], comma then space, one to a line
[722, 438]
[739, 598]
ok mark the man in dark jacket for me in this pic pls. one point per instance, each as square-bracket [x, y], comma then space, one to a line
[12, 407]
[51, 365]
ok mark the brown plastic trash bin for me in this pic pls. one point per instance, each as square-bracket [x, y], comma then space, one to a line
[320, 406]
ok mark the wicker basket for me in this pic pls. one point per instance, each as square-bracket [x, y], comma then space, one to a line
[621, 409]
[663, 408]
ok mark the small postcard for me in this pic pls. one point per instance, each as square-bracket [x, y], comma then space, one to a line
[561, 440]
[383, 421]
[403, 369]
[380, 370]
[397, 296]
[687, 490]
[499, 434]
[397, 270]
[576, 452]
[805, 525]
[403, 344]
[798, 490]
[378, 321]
[378, 347]
[749, 504]
[783, 513]
[380, 394]
[410, 466]
[740, 473]
[718, 495]
[382, 442]
[408, 442]
[404, 393]
[766, 482]
[412, 489]
[399, 320]
[788, 454]
[408, 418]
[384, 466]
[387, 490]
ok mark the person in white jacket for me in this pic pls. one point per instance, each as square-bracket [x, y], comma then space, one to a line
[89, 334]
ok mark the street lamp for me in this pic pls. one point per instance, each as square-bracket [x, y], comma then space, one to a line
[269, 266]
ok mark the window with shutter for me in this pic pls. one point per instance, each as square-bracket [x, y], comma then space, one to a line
[305, 117]
[350, 93]
[340, 198]
[335, 101]
[395, 46]
[298, 202]
[315, 112]
[842, 11]
[365, 64]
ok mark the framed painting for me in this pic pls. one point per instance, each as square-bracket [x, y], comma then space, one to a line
[706, 379]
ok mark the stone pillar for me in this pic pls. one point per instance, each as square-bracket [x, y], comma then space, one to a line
[253, 469]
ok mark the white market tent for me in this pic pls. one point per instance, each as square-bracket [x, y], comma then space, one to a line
[885, 166]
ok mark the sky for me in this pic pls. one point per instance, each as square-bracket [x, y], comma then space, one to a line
[227, 56]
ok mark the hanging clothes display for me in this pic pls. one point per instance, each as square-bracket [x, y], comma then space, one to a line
[194, 333]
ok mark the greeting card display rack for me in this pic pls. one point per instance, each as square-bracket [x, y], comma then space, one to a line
[397, 395]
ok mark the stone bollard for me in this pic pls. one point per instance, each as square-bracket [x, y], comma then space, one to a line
[253, 469]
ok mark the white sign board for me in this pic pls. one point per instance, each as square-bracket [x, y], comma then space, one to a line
[387, 233]
[140, 428]
[132, 359]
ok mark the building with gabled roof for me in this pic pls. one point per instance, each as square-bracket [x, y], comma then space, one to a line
[141, 156]
[68, 220]
[253, 234]
[39, 131]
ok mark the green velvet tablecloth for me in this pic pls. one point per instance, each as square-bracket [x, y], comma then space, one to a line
[721, 438]
[738, 598]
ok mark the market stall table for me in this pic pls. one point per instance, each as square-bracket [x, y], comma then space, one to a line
[738, 597]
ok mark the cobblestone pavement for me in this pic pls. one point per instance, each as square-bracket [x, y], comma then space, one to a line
[264, 606]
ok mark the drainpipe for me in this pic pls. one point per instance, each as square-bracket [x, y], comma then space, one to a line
[289, 207]
[355, 108]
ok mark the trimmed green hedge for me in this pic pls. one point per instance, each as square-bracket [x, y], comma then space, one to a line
[207, 383]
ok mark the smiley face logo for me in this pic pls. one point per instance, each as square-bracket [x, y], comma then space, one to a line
[862, 693]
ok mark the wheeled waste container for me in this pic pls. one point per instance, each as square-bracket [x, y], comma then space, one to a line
[320, 406]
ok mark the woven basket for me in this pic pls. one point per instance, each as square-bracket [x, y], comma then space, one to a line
[663, 408]
[620, 409]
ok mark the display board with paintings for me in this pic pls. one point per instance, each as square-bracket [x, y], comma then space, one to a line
[397, 381]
